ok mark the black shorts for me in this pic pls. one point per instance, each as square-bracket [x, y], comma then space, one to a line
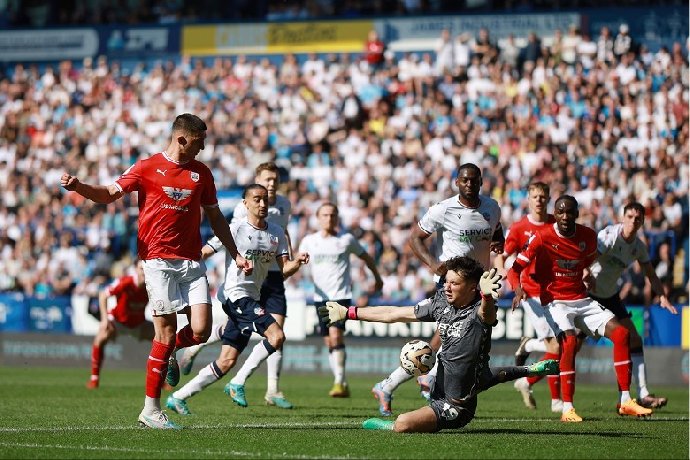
[614, 304]
[245, 316]
[448, 413]
[323, 323]
[273, 294]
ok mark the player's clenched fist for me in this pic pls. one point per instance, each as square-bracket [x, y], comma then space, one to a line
[69, 182]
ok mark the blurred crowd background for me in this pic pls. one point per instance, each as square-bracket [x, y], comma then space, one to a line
[592, 113]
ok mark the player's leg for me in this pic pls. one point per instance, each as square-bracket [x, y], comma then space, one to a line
[106, 331]
[337, 356]
[639, 371]
[620, 336]
[162, 347]
[234, 343]
[193, 291]
[274, 301]
[190, 353]
[560, 317]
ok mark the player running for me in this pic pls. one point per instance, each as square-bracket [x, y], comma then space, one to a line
[562, 252]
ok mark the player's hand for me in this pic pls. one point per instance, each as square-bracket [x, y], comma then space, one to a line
[489, 283]
[302, 258]
[332, 312]
[666, 305]
[497, 246]
[245, 265]
[590, 282]
[519, 297]
[69, 182]
[440, 269]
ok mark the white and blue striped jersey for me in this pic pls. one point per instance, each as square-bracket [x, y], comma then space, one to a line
[615, 255]
[261, 246]
[463, 231]
[329, 262]
[278, 213]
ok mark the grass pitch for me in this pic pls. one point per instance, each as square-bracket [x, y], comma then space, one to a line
[48, 413]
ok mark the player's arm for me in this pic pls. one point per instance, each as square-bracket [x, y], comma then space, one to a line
[417, 244]
[222, 230]
[102, 194]
[290, 267]
[658, 287]
[497, 240]
[371, 265]
[489, 284]
[207, 251]
[334, 312]
[105, 324]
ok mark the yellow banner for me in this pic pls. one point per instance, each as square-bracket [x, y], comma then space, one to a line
[318, 37]
[685, 324]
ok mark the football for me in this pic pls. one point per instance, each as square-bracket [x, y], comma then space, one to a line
[417, 357]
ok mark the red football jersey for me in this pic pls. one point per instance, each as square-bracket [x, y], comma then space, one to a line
[516, 240]
[170, 200]
[131, 301]
[559, 262]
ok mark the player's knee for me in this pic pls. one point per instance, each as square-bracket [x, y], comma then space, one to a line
[403, 424]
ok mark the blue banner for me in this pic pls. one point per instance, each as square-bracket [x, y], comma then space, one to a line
[150, 41]
[13, 312]
[52, 314]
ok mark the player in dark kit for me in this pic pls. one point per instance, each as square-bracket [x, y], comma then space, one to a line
[465, 311]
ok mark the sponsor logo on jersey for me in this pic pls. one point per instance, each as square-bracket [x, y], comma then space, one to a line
[567, 264]
[260, 255]
[177, 194]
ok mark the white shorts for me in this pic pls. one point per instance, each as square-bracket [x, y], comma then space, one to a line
[173, 284]
[585, 314]
[537, 316]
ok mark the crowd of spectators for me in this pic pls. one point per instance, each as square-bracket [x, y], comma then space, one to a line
[41, 13]
[383, 142]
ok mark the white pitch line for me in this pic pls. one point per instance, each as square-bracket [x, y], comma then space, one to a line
[213, 453]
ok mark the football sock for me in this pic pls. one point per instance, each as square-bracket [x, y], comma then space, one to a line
[157, 368]
[567, 365]
[640, 372]
[338, 355]
[185, 337]
[393, 381]
[274, 364]
[96, 361]
[621, 358]
[535, 345]
[256, 357]
[206, 376]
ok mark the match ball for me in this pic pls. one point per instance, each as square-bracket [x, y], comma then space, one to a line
[417, 357]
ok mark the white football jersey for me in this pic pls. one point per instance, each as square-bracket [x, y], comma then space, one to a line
[463, 231]
[615, 255]
[261, 246]
[329, 262]
[278, 213]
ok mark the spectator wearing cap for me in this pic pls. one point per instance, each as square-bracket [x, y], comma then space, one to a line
[623, 42]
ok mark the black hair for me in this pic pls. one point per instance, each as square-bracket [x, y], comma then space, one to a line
[467, 267]
[251, 187]
[189, 124]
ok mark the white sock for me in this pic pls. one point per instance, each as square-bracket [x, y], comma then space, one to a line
[254, 360]
[331, 362]
[640, 374]
[535, 345]
[339, 364]
[151, 405]
[274, 365]
[204, 378]
[567, 406]
[625, 396]
[393, 381]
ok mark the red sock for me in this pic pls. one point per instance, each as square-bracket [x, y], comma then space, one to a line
[156, 368]
[554, 381]
[185, 338]
[96, 360]
[621, 357]
[567, 365]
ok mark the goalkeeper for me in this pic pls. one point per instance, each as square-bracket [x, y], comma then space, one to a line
[465, 311]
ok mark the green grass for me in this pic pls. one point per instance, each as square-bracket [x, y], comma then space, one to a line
[47, 413]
